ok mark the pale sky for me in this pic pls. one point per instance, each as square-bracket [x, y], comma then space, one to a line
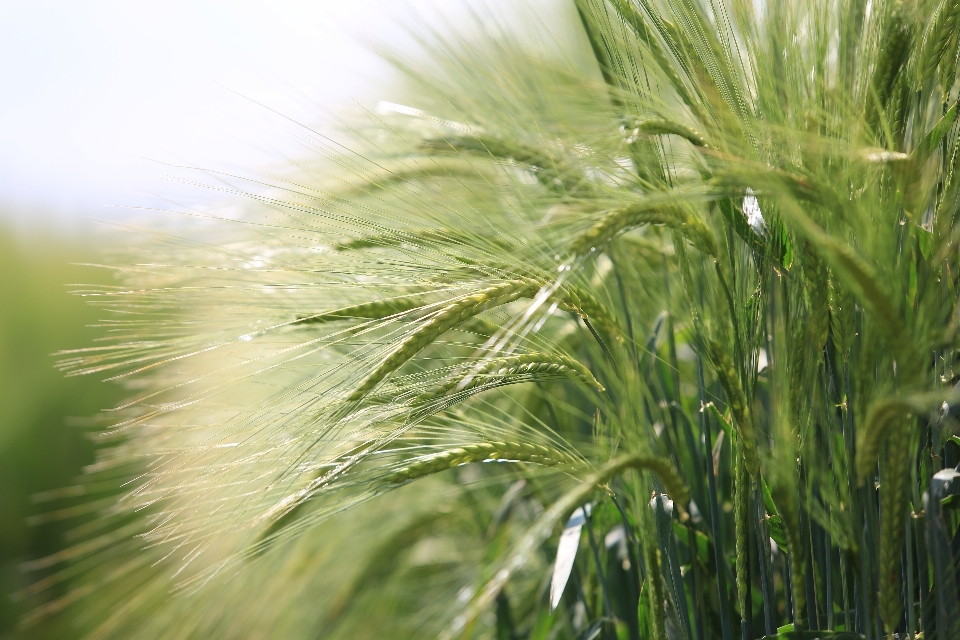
[93, 92]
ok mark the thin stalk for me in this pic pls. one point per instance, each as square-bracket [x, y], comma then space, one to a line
[715, 533]
[806, 553]
[596, 558]
[695, 579]
[845, 587]
[789, 600]
[740, 501]
[603, 345]
[908, 601]
[671, 338]
[624, 302]
[819, 570]
[828, 577]
[871, 528]
[636, 569]
[763, 548]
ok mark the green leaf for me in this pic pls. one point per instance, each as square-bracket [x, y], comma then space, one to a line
[777, 534]
[768, 502]
[930, 141]
[701, 540]
[724, 425]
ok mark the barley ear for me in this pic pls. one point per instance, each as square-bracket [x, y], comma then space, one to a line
[447, 318]
[580, 301]
[615, 222]
[882, 419]
[505, 451]
[666, 127]
[539, 364]
[861, 280]
[893, 53]
[376, 310]
[894, 479]
[550, 170]
[939, 36]
[420, 237]
[948, 64]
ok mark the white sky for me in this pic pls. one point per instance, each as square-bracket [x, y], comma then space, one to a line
[92, 92]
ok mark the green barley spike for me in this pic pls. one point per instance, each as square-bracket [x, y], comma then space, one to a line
[421, 237]
[894, 50]
[625, 218]
[666, 127]
[445, 319]
[882, 416]
[539, 364]
[511, 451]
[578, 300]
[948, 64]
[940, 35]
[466, 309]
[376, 310]
[894, 483]
[884, 419]
[425, 236]
[550, 170]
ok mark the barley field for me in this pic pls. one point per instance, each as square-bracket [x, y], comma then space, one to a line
[644, 332]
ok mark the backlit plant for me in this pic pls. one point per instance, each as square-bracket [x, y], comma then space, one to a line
[687, 283]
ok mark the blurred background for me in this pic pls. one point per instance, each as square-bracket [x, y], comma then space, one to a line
[101, 100]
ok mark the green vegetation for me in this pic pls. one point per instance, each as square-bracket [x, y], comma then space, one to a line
[44, 417]
[685, 289]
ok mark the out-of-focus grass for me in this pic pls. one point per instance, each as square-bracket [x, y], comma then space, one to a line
[43, 445]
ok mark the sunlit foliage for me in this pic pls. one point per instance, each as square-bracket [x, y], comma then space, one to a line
[696, 270]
